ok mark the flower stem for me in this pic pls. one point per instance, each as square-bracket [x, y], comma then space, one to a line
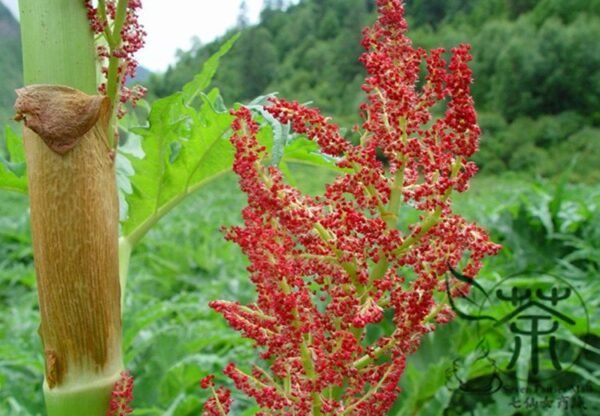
[114, 43]
[218, 402]
[306, 356]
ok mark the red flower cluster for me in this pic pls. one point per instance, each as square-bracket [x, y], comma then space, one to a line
[328, 267]
[122, 46]
[121, 396]
[220, 402]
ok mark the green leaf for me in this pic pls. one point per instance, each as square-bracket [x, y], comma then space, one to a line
[251, 411]
[209, 69]
[285, 146]
[12, 164]
[303, 150]
[181, 149]
[280, 132]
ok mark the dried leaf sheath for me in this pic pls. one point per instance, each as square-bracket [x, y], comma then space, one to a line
[74, 218]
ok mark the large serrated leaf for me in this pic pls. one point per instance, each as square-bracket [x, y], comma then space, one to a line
[183, 148]
[12, 164]
[209, 69]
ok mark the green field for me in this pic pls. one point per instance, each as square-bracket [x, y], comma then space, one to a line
[172, 339]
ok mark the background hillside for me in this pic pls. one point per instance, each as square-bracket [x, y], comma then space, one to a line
[536, 65]
[537, 70]
[11, 68]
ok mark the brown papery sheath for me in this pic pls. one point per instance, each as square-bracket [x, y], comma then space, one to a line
[74, 221]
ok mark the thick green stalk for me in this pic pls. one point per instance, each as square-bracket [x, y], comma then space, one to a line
[58, 45]
[74, 208]
[91, 399]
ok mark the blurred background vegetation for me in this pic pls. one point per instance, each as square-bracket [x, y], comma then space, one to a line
[11, 67]
[537, 87]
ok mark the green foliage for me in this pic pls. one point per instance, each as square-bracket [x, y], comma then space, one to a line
[172, 339]
[583, 150]
[329, 26]
[567, 12]
[308, 53]
[20, 360]
[258, 57]
[10, 64]
[181, 149]
[516, 8]
[429, 395]
[523, 69]
[434, 12]
[12, 163]
[518, 65]
[540, 228]
[544, 147]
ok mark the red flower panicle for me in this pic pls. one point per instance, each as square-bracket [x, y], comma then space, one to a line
[327, 267]
[121, 396]
[123, 47]
[220, 402]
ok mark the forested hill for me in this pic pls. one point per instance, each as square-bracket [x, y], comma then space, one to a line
[536, 64]
[10, 63]
[537, 68]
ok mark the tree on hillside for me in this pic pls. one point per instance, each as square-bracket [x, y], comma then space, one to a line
[242, 19]
[519, 7]
[523, 70]
[434, 12]
[258, 61]
[275, 4]
[10, 64]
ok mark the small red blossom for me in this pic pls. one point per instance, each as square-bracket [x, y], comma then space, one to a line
[121, 396]
[220, 402]
[122, 45]
[207, 382]
[327, 268]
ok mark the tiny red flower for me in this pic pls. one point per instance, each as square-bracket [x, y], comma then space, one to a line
[129, 42]
[219, 404]
[121, 396]
[207, 382]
